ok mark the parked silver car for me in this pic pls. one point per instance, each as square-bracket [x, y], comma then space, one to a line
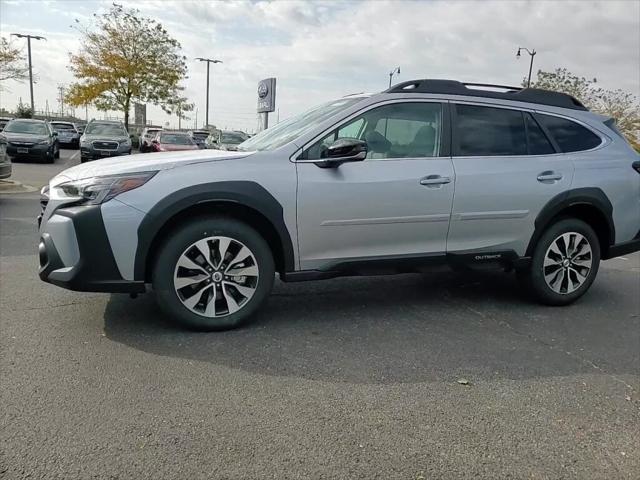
[68, 134]
[425, 173]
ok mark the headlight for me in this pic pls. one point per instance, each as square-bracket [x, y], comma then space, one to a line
[97, 190]
[126, 143]
[44, 142]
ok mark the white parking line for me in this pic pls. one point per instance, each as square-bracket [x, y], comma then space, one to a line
[72, 157]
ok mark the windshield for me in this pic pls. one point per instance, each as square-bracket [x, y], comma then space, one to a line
[151, 133]
[34, 128]
[105, 129]
[232, 138]
[200, 135]
[63, 126]
[292, 128]
[175, 139]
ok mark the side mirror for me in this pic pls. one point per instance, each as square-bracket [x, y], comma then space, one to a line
[54, 133]
[342, 151]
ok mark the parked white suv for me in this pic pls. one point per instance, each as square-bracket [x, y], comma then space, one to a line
[427, 172]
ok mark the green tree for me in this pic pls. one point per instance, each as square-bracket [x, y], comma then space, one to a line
[618, 104]
[126, 58]
[12, 64]
[23, 111]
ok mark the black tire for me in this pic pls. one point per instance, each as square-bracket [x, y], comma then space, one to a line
[48, 157]
[179, 240]
[533, 278]
[56, 151]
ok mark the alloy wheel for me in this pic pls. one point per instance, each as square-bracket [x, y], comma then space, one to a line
[567, 263]
[216, 276]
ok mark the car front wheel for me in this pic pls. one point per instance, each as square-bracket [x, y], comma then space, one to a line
[213, 273]
[565, 263]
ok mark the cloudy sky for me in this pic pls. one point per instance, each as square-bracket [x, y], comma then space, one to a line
[326, 49]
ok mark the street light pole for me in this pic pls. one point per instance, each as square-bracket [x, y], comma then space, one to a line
[532, 53]
[209, 62]
[392, 73]
[29, 37]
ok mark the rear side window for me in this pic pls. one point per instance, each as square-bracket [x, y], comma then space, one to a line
[570, 136]
[486, 131]
[539, 144]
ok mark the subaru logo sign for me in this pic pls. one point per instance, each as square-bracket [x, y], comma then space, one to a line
[267, 95]
[263, 90]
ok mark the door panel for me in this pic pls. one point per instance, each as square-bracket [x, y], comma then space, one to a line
[505, 174]
[498, 199]
[372, 208]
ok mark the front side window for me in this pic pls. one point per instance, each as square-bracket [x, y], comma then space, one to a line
[398, 130]
[570, 136]
[487, 131]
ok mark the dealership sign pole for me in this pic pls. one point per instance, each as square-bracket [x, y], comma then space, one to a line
[266, 100]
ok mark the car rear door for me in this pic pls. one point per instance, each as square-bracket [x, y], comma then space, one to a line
[395, 203]
[507, 169]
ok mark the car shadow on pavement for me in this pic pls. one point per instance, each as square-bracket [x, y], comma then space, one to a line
[401, 329]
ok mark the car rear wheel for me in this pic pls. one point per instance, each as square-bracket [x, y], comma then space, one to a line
[213, 273]
[564, 264]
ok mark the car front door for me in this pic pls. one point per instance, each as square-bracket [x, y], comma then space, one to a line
[506, 171]
[395, 203]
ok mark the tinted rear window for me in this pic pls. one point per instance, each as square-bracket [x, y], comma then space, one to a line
[486, 131]
[570, 136]
[539, 144]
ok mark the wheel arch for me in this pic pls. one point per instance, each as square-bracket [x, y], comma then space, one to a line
[591, 205]
[243, 200]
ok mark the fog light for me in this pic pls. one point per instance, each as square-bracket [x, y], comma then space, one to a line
[42, 254]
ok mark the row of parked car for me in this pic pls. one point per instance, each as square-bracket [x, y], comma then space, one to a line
[42, 140]
[154, 139]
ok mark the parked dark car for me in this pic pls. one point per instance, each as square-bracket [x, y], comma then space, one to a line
[5, 161]
[68, 134]
[28, 138]
[172, 141]
[148, 134]
[4, 121]
[104, 138]
[199, 137]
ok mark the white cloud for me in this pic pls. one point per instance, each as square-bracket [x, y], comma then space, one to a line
[321, 50]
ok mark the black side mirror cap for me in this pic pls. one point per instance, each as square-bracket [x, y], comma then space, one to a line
[342, 151]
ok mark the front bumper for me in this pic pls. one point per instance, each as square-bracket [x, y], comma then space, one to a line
[33, 151]
[91, 154]
[74, 253]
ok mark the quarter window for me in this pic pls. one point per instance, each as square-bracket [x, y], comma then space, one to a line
[398, 130]
[569, 136]
[486, 131]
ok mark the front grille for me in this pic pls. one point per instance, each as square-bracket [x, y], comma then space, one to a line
[100, 145]
[22, 144]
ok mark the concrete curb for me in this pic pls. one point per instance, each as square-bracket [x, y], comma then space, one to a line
[10, 186]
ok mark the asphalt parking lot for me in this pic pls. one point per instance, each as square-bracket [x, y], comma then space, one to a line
[346, 378]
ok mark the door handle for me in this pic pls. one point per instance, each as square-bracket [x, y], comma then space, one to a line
[549, 176]
[434, 180]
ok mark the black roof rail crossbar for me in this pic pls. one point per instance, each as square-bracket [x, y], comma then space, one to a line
[491, 85]
[453, 87]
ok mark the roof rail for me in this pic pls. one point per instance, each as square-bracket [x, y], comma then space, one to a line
[518, 94]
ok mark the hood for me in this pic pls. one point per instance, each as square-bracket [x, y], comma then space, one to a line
[24, 137]
[106, 138]
[169, 147]
[144, 162]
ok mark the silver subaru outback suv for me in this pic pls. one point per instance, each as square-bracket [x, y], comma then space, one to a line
[425, 173]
